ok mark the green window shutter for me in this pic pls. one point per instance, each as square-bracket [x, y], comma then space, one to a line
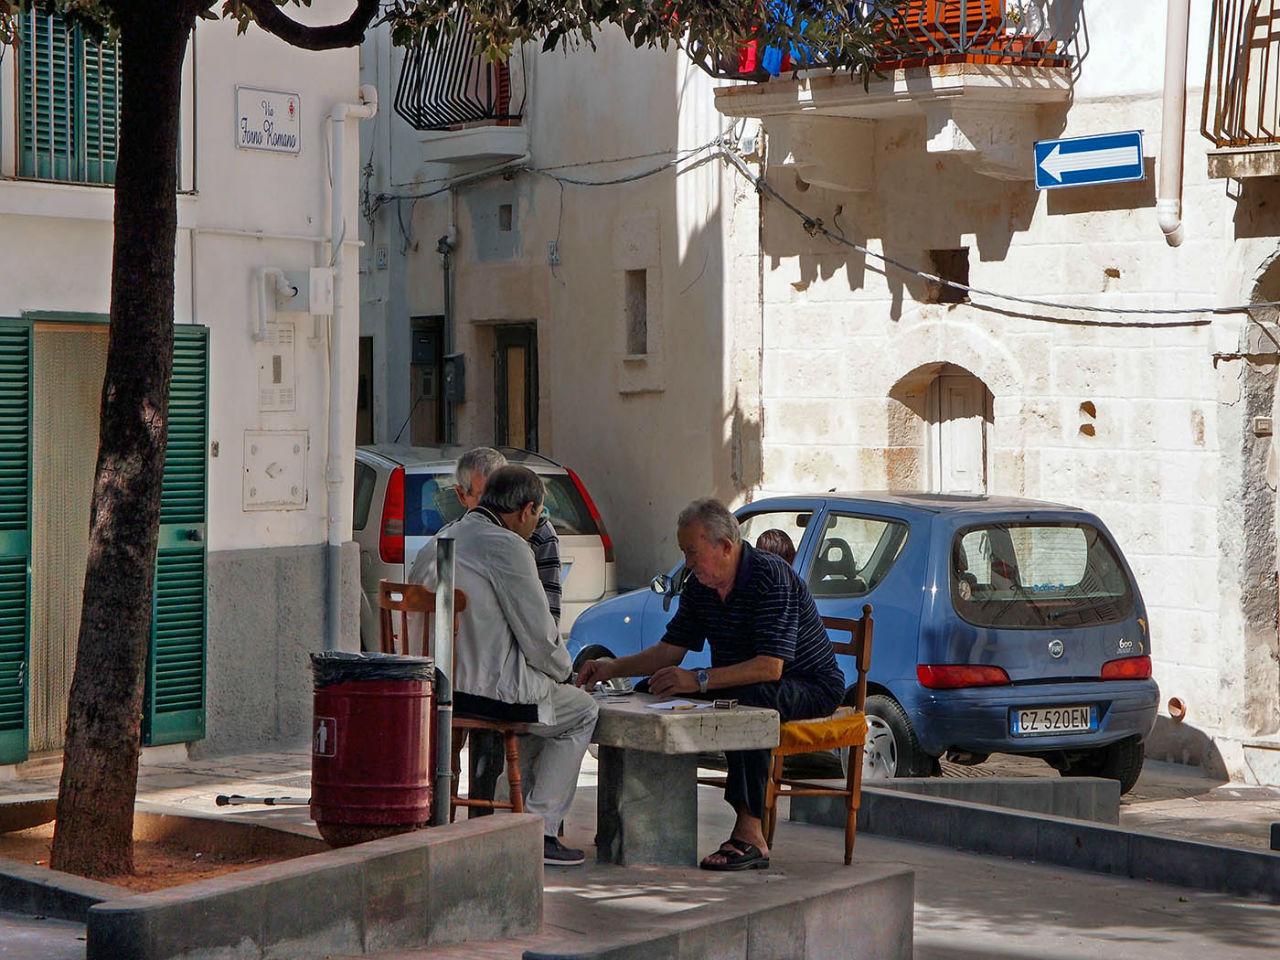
[15, 536]
[101, 111]
[175, 700]
[68, 103]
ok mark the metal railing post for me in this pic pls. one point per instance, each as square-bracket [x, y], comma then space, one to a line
[443, 792]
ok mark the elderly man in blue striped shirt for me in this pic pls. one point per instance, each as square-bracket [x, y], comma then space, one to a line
[768, 649]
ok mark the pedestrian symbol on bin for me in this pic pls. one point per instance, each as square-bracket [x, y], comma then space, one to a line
[324, 739]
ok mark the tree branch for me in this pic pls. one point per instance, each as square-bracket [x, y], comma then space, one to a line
[347, 34]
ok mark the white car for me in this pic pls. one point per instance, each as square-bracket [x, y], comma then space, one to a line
[403, 495]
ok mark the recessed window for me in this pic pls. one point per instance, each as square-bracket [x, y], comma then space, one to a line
[506, 216]
[637, 305]
[951, 265]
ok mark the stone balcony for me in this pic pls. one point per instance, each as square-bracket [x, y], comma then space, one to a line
[983, 114]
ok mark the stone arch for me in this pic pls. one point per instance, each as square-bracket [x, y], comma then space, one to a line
[941, 340]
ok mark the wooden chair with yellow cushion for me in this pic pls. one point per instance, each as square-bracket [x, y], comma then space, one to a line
[413, 598]
[846, 728]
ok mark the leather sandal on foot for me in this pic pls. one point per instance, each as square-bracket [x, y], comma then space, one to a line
[738, 855]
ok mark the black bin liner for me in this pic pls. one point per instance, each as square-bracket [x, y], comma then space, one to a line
[335, 666]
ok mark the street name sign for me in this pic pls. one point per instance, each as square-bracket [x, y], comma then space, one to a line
[1087, 161]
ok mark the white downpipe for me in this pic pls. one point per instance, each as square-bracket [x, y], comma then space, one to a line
[1173, 122]
[335, 469]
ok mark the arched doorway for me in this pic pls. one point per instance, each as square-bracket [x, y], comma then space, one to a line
[949, 427]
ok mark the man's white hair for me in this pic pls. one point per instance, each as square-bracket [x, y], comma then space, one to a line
[714, 517]
[481, 460]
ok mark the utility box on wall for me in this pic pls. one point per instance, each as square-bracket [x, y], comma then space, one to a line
[275, 469]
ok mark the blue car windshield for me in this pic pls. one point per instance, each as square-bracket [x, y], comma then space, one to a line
[1037, 575]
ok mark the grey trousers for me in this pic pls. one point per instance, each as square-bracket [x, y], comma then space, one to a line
[551, 755]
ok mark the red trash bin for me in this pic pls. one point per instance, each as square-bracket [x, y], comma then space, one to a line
[372, 723]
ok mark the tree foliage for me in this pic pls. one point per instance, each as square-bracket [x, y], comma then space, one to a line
[707, 28]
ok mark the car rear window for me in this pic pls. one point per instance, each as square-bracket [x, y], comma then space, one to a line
[430, 502]
[1037, 575]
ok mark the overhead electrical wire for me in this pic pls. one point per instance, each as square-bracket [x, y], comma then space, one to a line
[721, 146]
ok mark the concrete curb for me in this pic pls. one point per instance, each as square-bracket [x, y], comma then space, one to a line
[802, 921]
[1078, 798]
[1101, 848]
[412, 890]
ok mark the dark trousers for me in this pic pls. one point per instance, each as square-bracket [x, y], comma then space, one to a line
[794, 699]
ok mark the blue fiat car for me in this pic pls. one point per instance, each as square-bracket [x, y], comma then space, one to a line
[1001, 625]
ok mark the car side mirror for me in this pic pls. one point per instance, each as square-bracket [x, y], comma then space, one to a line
[671, 586]
[660, 583]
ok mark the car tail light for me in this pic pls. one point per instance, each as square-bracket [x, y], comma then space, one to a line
[1127, 668]
[948, 676]
[391, 540]
[595, 515]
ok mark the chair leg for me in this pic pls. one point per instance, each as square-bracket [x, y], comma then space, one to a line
[853, 783]
[459, 740]
[771, 798]
[514, 783]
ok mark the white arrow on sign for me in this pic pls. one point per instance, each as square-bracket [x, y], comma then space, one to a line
[1057, 162]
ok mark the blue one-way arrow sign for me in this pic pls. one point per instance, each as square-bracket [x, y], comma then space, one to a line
[1081, 161]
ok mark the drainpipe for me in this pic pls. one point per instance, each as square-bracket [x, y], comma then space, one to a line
[1173, 122]
[335, 468]
[444, 246]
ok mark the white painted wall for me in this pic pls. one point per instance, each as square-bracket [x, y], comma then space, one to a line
[247, 210]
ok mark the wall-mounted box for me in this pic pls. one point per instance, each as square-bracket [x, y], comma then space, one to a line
[275, 469]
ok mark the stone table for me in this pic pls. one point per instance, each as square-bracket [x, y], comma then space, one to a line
[647, 803]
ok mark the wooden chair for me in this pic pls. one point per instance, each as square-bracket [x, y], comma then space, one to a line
[407, 598]
[847, 727]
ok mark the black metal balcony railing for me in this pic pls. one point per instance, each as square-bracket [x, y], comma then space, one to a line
[448, 85]
[1242, 82]
[926, 32]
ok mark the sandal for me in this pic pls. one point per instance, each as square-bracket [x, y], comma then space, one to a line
[738, 855]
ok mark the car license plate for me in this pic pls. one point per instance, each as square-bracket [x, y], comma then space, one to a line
[1042, 720]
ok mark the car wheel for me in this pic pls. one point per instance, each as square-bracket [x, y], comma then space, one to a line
[892, 749]
[1117, 761]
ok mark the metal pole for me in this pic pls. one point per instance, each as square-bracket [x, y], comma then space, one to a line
[443, 650]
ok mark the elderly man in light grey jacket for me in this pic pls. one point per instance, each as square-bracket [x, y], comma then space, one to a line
[510, 662]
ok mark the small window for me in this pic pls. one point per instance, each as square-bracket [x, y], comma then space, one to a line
[952, 265]
[506, 217]
[1047, 575]
[790, 522]
[855, 554]
[637, 305]
[366, 481]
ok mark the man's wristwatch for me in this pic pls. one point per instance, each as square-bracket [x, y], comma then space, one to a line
[702, 681]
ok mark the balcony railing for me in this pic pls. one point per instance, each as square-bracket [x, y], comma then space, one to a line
[448, 86]
[919, 33]
[1242, 83]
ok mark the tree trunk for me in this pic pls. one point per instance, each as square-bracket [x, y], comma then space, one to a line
[94, 832]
